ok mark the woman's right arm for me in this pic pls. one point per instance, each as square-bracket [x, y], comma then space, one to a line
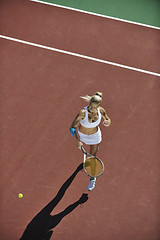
[78, 118]
[75, 124]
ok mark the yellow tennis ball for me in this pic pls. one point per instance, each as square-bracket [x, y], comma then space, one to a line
[20, 195]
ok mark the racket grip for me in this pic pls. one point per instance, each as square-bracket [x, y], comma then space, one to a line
[82, 148]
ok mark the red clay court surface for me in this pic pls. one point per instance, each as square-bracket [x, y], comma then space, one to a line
[39, 100]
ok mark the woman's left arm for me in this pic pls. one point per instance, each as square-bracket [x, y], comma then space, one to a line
[107, 120]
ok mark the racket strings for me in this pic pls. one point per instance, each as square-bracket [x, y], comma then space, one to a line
[93, 166]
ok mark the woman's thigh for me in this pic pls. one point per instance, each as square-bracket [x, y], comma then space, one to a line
[94, 149]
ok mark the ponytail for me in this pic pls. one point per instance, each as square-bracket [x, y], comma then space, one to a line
[86, 98]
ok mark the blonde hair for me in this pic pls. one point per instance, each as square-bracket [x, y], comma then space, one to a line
[96, 98]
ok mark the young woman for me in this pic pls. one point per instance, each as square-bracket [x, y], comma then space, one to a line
[89, 132]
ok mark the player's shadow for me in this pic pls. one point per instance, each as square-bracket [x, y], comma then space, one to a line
[40, 226]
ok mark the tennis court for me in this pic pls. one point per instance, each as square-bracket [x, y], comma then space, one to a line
[50, 56]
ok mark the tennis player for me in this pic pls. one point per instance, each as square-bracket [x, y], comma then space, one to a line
[87, 121]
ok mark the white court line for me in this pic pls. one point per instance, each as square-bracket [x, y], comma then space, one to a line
[96, 14]
[79, 55]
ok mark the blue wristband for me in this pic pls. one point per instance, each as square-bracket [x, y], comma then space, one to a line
[72, 131]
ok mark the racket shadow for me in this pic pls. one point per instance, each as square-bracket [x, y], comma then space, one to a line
[40, 227]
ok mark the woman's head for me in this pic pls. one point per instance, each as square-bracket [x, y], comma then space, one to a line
[94, 100]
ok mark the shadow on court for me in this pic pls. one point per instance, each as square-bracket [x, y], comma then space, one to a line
[40, 226]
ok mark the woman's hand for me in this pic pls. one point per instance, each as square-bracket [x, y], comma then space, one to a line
[79, 144]
[107, 122]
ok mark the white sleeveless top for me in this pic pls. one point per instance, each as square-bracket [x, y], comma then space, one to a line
[84, 122]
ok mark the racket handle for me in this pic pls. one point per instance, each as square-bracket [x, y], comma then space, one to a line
[82, 148]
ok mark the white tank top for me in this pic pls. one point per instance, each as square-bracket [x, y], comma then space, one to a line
[84, 122]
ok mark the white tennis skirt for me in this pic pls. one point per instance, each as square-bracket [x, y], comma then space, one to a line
[92, 139]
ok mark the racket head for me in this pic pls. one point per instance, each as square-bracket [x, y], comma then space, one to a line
[93, 166]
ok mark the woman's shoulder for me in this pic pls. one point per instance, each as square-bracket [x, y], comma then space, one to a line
[82, 112]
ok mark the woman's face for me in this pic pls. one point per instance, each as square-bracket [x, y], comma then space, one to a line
[93, 107]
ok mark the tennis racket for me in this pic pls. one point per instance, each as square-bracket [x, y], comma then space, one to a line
[92, 165]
